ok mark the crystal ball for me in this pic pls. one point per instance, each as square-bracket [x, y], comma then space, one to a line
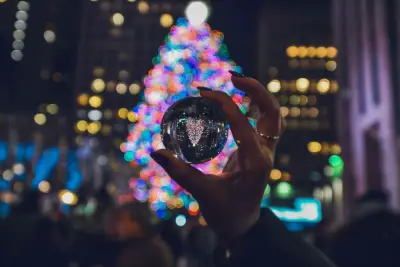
[194, 129]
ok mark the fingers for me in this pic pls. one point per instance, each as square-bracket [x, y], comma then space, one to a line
[242, 131]
[184, 174]
[269, 111]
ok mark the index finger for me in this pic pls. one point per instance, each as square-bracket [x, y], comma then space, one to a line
[260, 96]
[242, 131]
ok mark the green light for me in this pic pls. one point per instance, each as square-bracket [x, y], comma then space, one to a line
[284, 190]
[335, 161]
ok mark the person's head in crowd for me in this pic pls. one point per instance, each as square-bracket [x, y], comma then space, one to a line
[372, 201]
[374, 196]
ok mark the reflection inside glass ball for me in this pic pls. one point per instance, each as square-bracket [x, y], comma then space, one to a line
[194, 129]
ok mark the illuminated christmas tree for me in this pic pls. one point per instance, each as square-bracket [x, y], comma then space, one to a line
[191, 56]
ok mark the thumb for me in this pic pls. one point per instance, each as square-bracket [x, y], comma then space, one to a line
[188, 177]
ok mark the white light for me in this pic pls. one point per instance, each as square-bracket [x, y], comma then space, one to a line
[17, 55]
[197, 13]
[21, 15]
[18, 45]
[22, 5]
[180, 220]
[19, 35]
[8, 175]
[18, 169]
[20, 25]
[49, 36]
[95, 115]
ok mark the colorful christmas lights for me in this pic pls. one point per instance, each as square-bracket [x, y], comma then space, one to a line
[190, 57]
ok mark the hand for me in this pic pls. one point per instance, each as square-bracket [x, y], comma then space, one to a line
[231, 202]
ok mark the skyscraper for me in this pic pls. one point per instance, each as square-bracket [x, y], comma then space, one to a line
[367, 35]
[297, 63]
[118, 42]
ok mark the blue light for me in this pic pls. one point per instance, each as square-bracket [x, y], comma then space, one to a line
[180, 220]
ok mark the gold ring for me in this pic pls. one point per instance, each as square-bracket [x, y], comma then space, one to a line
[268, 137]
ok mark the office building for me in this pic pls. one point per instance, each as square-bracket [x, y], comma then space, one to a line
[366, 33]
[297, 62]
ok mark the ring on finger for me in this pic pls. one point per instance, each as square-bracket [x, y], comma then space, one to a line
[268, 137]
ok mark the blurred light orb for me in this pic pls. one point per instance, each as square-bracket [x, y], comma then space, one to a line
[118, 19]
[302, 84]
[274, 86]
[18, 45]
[44, 186]
[40, 118]
[197, 13]
[323, 86]
[17, 55]
[143, 7]
[180, 220]
[98, 85]
[49, 36]
[20, 25]
[134, 88]
[23, 5]
[166, 20]
[18, 168]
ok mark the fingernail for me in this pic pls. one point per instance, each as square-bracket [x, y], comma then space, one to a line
[236, 74]
[160, 159]
[202, 88]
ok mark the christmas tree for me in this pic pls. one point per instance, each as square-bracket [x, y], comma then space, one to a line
[191, 56]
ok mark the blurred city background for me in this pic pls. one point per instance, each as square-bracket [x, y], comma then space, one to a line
[72, 76]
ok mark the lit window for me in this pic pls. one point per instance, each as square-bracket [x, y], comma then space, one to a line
[83, 99]
[312, 51]
[121, 88]
[95, 101]
[331, 65]
[274, 86]
[81, 126]
[98, 72]
[122, 113]
[323, 86]
[143, 7]
[95, 115]
[284, 111]
[134, 88]
[40, 118]
[294, 112]
[292, 51]
[94, 127]
[303, 51]
[132, 117]
[52, 109]
[314, 147]
[331, 52]
[17, 55]
[275, 174]
[294, 100]
[302, 84]
[49, 36]
[313, 112]
[166, 20]
[98, 85]
[118, 19]
[123, 75]
[322, 52]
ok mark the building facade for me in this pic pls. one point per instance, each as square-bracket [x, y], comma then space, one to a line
[297, 62]
[367, 34]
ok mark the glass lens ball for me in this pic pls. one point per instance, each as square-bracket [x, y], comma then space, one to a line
[194, 129]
